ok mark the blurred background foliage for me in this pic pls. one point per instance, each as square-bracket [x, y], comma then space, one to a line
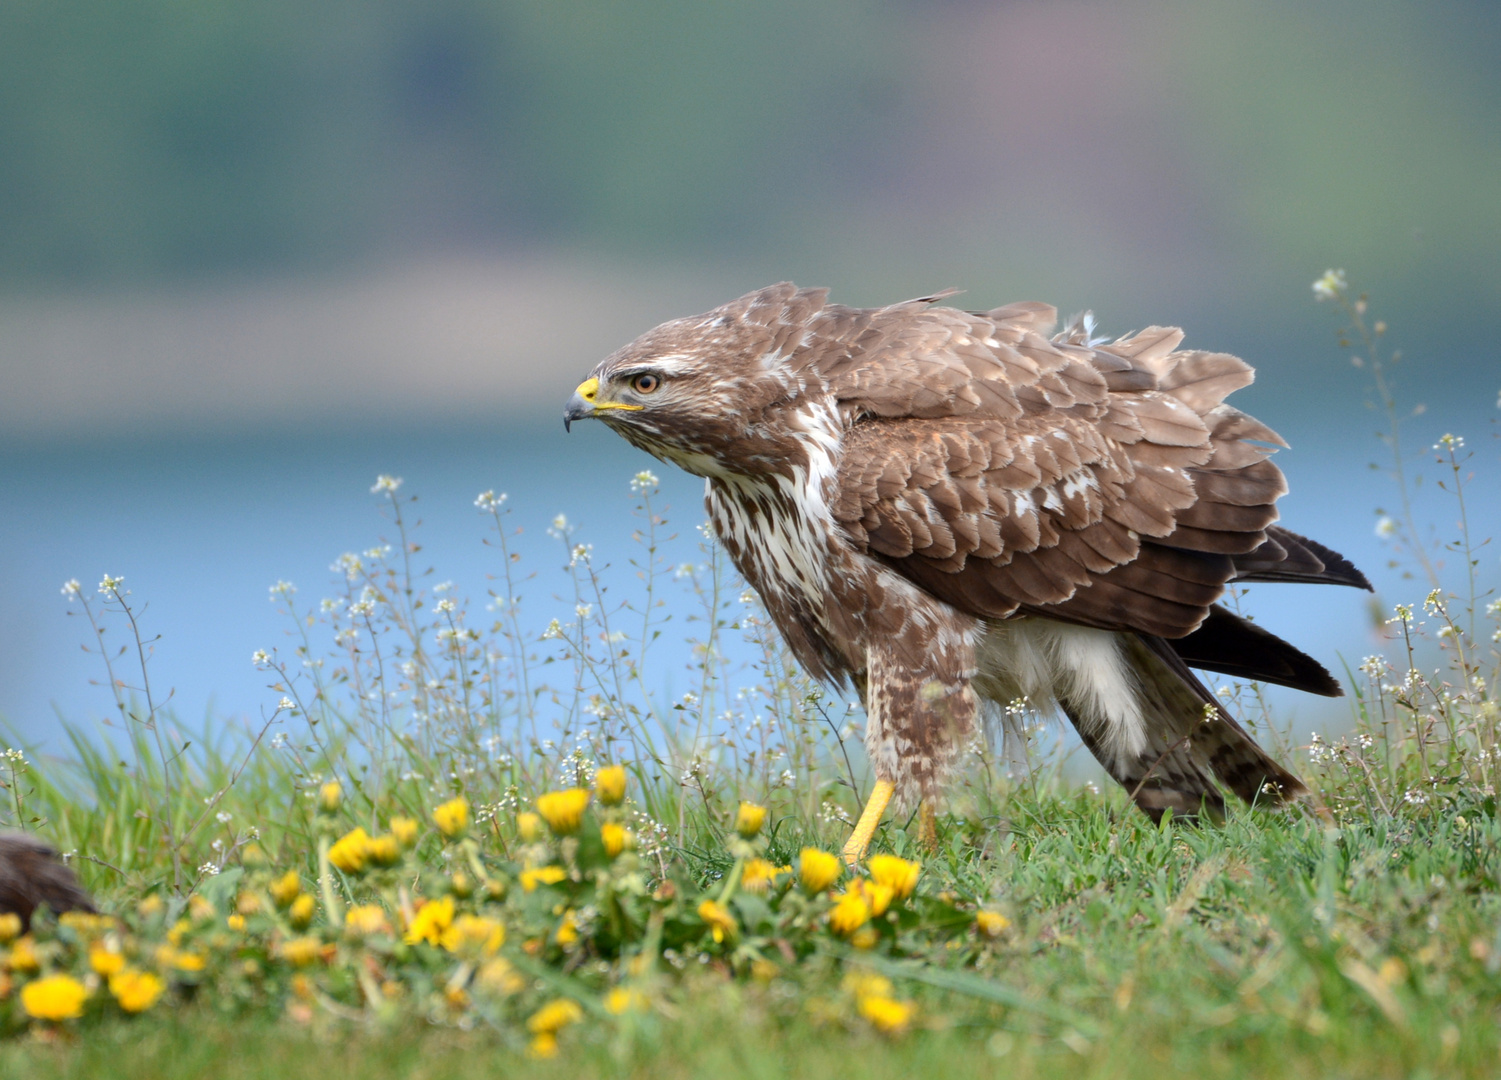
[157, 139]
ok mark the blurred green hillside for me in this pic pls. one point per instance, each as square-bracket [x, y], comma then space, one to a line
[160, 139]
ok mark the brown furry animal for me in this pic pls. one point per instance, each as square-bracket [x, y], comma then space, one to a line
[31, 875]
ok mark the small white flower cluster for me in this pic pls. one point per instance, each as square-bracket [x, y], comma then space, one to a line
[282, 589]
[1330, 286]
[1386, 528]
[644, 481]
[71, 587]
[488, 502]
[554, 630]
[15, 758]
[110, 584]
[1414, 797]
[286, 704]
[261, 658]
[1450, 444]
[385, 484]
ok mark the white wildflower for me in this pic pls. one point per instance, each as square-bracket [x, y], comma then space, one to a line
[282, 588]
[71, 587]
[286, 703]
[110, 584]
[1331, 285]
[489, 502]
[1386, 528]
[260, 658]
[643, 481]
[385, 483]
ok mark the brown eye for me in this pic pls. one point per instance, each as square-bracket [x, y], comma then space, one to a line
[645, 383]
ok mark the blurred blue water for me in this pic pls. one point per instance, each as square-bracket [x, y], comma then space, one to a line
[201, 529]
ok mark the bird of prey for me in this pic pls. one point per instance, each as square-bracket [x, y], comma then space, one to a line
[952, 510]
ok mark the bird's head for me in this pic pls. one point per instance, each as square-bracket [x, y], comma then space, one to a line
[698, 391]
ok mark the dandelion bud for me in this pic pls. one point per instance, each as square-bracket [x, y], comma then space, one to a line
[720, 922]
[529, 826]
[10, 926]
[300, 914]
[609, 785]
[285, 889]
[749, 819]
[330, 796]
[563, 810]
[452, 818]
[991, 923]
[817, 870]
[461, 885]
[405, 830]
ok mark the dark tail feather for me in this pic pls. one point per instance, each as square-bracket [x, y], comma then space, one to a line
[1231, 645]
[31, 875]
[1193, 744]
[1286, 556]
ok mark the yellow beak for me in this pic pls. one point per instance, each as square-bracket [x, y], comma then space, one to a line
[585, 403]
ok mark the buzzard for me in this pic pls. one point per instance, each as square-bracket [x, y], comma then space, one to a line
[952, 510]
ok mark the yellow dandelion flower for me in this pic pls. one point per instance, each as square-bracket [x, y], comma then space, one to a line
[151, 906]
[362, 920]
[57, 997]
[759, 875]
[554, 1017]
[300, 951]
[236, 922]
[749, 819]
[886, 1015]
[330, 795]
[179, 931]
[300, 914]
[568, 929]
[86, 922]
[563, 810]
[615, 838]
[991, 923]
[431, 920]
[384, 850]
[542, 875]
[452, 818]
[169, 956]
[498, 976]
[900, 875]
[456, 996]
[286, 888]
[878, 896]
[474, 935]
[10, 926]
[719, 919]
[23, 955]
[529, 827]
[865, 937]
[136, 991]
[404, 829]
[863, 983]
[817, 869]
[247, 903]
[351, 851]
[543, 1045]
[850, 912]
[609, 785]
[622, 1000]
[104, 960]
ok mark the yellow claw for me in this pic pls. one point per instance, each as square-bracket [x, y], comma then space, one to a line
[870, 817]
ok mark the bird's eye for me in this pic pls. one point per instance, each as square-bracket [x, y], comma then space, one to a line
[645, 383]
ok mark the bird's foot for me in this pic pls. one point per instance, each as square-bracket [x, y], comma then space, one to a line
[927, 829]
[870, 817]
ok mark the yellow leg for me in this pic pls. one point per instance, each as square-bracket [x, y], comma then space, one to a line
[928, 829]
[865, 828]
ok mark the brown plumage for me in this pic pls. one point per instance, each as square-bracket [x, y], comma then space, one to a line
[949, 508]
[31, 875]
